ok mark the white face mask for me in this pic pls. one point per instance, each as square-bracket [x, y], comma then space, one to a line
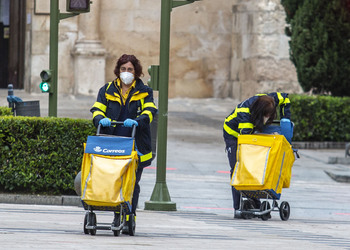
[266, 118]
[127, 77]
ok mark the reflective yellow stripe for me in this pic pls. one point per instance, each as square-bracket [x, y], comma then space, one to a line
[113, 98]
[96, 113]
[100, 106]
[245, 125]
[137, 97]
[149, 113]
[280, 98]
[230, 131]
[231, 117]
[109, 84]
[260, 94]
[146, 157]
[243, 110]
[286, 100]
[142, 103]
[234, 115]
[149, 105]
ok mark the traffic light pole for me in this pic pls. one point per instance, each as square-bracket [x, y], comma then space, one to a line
[54, 21]
[160, 198]
[55, 17]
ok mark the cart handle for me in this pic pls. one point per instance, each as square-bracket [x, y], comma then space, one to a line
[133, 132]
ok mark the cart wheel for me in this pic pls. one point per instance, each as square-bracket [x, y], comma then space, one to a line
[132, 224]
[284, 210]
[116, 223]
[265, 206]
[274, 204]
[86, 231]
[93, 222]
[247, 215]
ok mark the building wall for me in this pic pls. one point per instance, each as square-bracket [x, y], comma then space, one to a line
[221, 48]
[260, 50]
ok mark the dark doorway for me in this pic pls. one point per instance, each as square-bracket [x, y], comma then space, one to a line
[12, 38]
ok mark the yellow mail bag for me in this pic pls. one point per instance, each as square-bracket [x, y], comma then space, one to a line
[108, 180]
[264, 162]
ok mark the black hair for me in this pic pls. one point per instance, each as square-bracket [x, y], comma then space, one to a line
[263, 106]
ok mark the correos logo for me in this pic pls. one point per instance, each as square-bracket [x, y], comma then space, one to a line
[97, 149]
[113, 151]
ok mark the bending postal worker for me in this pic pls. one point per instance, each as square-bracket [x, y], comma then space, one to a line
[255, 114]
[127, 99]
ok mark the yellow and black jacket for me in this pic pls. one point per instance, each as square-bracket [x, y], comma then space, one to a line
[239, 121]
[139, 106]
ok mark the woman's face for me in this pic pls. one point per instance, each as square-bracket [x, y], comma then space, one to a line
[127, 67]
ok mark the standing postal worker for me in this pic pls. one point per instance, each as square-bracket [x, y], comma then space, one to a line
[127, 99]
[255, 114]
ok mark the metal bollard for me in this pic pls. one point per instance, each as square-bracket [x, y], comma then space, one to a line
[9, 95]
[347, 150]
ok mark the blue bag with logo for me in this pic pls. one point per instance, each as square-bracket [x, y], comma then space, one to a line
[109, 145]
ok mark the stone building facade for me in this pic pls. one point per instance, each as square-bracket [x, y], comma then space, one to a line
[218, 48]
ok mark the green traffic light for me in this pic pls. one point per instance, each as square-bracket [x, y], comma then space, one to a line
[78, 6]
[45, 87]
[45, 84]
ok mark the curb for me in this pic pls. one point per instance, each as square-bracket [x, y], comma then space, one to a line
[345, 178]
[319, 145]
[339, 160]
[64, 200]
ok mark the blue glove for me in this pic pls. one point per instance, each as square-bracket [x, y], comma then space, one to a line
[105, 122]
[130, 122]
[287, 129]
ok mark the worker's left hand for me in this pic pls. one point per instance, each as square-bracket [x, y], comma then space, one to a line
[130, 122]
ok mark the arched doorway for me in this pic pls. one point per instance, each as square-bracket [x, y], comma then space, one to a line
[12, 38]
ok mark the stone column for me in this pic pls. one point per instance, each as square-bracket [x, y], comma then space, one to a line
[260, 55]
[89, 54]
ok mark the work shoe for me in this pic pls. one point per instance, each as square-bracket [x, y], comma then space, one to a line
[237, 215]
[125, 229]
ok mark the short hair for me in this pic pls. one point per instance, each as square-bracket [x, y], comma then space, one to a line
[263, 106]
[129, 58]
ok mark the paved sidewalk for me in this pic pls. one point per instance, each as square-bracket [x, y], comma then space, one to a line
[198, 182]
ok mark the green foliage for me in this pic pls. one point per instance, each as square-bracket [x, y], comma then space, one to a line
[319, 46]
[41, 155]
[5, 111]
[291, 7]
[320, 118]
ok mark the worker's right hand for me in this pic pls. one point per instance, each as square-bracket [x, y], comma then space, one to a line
[105, 122]
[287, 129]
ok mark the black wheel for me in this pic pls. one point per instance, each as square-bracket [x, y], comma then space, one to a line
[284, 210]
[247, 215]
[132, 224]
[93, 222]
[85, 222]
[116, 223]
[274, 204]
[246, 206]
[265, 206]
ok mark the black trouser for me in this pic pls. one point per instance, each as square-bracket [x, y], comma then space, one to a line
[232, 158]
[135, 197]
